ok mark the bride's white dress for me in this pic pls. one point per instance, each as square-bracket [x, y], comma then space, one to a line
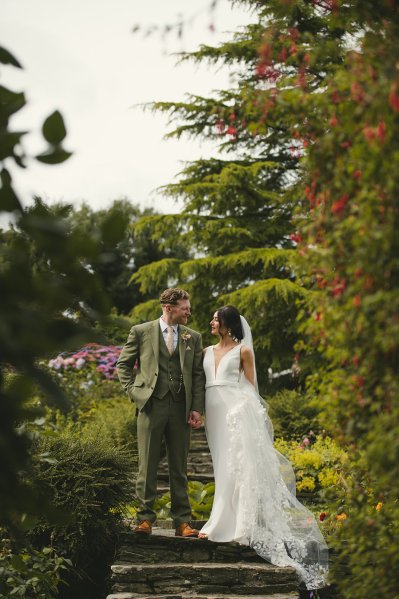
[255, 501]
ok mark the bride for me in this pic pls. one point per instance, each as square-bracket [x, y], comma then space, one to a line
[255, 501]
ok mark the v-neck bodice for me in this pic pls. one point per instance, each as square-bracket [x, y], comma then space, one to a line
[228, 370]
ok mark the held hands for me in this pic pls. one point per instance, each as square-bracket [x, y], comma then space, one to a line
[194, 420]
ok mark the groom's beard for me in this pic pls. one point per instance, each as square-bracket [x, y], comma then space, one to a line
[182, 320]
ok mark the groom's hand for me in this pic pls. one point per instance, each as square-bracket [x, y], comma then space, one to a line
[194, 420]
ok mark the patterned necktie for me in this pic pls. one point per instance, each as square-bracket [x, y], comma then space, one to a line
[169, 340]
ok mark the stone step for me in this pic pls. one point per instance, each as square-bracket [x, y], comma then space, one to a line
[164, 526]
[195, 453]
[163, 546]
[204, 478]
[198, 460]
[199, 440]
[195, 595]
[198, 434]
[203, 579]
[199, 465]
[192, 468]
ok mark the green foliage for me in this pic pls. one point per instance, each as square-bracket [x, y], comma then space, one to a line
[319, 467]
[88, 479]
[10, 141]
[29, 573]
[99, 410]
[237, 210]
[114, 327]
[49, 300]
[330, 72]
[317, 94]
[201, 500]
[146, 311]
[114, 420]
[151, 275]
[370, 529]
[43, 289]
[83, 471]
[54, 133]
[125, 249]
[293, 414]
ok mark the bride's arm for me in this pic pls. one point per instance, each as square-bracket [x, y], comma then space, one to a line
[247, 364]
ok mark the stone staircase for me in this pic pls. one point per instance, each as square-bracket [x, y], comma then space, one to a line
[169, 567]
[199, 465]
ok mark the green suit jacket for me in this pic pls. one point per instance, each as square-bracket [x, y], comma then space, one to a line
[142, 350]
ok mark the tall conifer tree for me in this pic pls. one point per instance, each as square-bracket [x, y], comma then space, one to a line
[237, 216]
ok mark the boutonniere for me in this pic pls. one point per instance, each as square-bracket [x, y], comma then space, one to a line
[185, 337]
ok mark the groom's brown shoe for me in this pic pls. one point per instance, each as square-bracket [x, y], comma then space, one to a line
[185, 530]
[143, 528]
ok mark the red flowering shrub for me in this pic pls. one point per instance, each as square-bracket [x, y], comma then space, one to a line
[349, 206]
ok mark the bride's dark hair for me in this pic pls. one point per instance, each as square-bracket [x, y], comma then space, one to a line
[230, 317]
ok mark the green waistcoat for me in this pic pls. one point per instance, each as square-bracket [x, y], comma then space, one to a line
[169, 368]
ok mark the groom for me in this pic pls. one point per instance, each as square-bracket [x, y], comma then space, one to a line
[160, 368]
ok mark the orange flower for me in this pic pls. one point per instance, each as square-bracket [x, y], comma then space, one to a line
[379, 505]
[341, 517]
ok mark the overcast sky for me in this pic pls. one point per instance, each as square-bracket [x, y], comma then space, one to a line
[81, 57]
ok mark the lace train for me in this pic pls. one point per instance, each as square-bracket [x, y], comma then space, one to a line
[272, 521]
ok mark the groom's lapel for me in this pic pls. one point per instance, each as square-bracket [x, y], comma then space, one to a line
[154, 336]
[182, 346]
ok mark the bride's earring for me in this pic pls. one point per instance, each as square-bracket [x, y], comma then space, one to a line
[232, 336]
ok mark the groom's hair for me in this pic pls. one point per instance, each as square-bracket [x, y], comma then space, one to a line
[173, 295]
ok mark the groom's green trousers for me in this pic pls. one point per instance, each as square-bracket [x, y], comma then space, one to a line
[166, 420]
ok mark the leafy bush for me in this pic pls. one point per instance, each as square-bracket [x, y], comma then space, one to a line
[201, 500]
[293, 414]
[319, 467]
[89, 479]
[29, 573]
[115, 420]
[115, 327]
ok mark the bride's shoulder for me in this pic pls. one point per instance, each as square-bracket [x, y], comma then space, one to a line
[245, 351]
[208, 349]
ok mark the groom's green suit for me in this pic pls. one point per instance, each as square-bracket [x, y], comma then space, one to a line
[165, 388]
